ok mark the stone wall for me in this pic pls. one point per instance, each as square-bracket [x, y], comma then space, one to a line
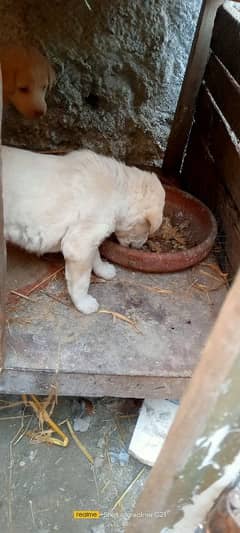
[120, 66]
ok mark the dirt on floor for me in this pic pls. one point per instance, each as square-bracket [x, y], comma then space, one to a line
[42, 484]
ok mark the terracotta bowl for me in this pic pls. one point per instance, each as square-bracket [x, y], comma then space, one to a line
[203, 226]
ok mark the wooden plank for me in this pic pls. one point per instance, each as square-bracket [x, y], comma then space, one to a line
[202, 178]
[226, 40]
[200, 456]
[225, 91]
[96, 385]
[220, 143]
[190, 87]
[199, 173]
[230, 218]
[96, 355]
[2, 255]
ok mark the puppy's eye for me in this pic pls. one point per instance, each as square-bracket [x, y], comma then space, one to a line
[23, 89]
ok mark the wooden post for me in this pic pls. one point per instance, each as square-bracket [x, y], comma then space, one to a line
[201, 454]
[190, 87]
[2, 252]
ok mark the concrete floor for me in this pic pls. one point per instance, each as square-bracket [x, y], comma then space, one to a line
[42, 484]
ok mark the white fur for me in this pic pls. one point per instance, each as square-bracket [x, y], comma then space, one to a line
[71, 204]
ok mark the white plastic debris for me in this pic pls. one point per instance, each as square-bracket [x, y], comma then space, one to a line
[81, 424]
[154, 421]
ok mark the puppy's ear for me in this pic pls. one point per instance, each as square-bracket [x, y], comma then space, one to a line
[51, 77]
[9, 75]
[154, 219]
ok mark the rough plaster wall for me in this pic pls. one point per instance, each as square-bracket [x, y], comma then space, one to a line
[120, 68]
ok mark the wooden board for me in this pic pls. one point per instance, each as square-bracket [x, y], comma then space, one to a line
[192, 80]
[199, 174]
[225, 40]
[50, 342]
[220, 142]
[230, 219]
[202, 178]
[225, 91]
[2, 253]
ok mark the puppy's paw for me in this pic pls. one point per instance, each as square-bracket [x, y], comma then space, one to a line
[106, 271]
[87, 304]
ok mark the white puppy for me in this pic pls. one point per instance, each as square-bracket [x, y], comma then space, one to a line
[71, 203]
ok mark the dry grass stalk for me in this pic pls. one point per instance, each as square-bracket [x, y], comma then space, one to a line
[51, 400]
[156, 289]
[105, 486]
[45, 280]
[202, 287]
[119, 316]
[217, 270]
[11, 404]
[21, 321]
[96, 279]
[120, 499]
[43, 417]
[55, 298]
[16, 293]
[40, 436]
[211, 276]
[80, 444]
[4, 418]
[25, 430]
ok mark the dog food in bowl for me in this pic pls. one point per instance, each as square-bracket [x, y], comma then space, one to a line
[186, 236]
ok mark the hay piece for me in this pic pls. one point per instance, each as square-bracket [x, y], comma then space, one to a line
[217, 270]
[25, 430]
[16, 293]
[79, 444]
[43, 416]
[51, 400]
[202, 287]
[4, 418]
[105, 486]
[155, 288]
[45, 280]
[124, 318]
[55, 298]
[11, 404]
[120, 499]
[96, 279]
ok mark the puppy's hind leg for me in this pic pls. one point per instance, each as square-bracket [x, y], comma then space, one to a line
[103, 269]
[79, 253]
[78, 280]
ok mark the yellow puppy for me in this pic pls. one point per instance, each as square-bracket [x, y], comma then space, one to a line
[27, 75]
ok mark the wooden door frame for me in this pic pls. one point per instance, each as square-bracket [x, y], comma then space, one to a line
[2, 252]
[185, 481]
